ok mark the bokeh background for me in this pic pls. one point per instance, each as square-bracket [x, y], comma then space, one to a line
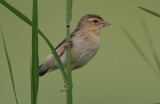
[116, 75]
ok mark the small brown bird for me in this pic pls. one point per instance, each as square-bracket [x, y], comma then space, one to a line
[85, 42]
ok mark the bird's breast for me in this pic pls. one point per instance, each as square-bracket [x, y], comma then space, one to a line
[83, 50]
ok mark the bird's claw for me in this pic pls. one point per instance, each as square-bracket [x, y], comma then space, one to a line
[69, 45]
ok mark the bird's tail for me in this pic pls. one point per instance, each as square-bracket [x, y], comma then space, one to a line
[42, 70]
[48, 65]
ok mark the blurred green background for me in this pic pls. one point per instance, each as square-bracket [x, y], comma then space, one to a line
[116, 75]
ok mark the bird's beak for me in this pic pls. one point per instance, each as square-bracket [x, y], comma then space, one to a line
[105, 23]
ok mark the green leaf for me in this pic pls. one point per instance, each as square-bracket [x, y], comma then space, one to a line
[9, 66]
[142, 54]
[35, 59]
[16, 12]
[28, 21]
[56, 57]
[150, 42]
[137, 47]
[149, 11]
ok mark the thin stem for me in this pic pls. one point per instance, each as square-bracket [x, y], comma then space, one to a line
[35, 60]
[69, 74]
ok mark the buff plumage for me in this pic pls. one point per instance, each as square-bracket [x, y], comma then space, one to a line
[85, 42]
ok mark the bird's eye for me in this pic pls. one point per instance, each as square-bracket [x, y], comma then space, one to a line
[95, 21]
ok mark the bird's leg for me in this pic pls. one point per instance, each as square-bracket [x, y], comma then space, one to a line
[69, 45]
[66, 87]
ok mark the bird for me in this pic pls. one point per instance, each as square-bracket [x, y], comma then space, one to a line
[84, 44]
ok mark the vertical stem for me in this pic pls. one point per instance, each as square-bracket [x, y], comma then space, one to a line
[69, 74]
[35, 60]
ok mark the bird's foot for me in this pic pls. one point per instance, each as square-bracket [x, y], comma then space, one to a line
[69, 45]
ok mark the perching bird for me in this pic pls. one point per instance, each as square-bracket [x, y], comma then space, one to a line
[85, 42]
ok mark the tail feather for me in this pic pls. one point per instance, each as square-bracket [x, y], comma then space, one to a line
[48, 65]
[41, 71]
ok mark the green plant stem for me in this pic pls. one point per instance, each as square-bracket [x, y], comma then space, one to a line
[35, 60]
[9, 65]
[69, 74]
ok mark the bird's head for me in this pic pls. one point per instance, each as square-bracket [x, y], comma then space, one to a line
[93, 23]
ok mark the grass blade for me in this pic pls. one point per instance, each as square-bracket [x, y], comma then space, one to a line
[149, 11]
[69, 74]
[150, 42]
[146, 59]
[35, 60]
[56, 57]
[16, 12]
[28, 21]
[10, 67]
[142, 54]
